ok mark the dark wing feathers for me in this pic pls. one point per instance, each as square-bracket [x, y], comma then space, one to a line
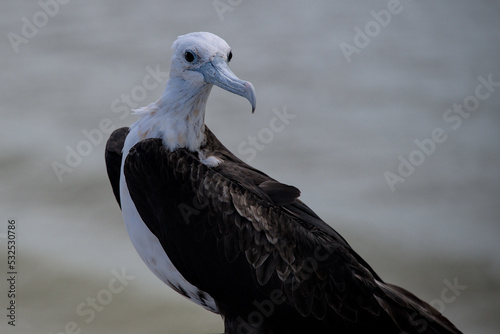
[113, 157]
[241, 236]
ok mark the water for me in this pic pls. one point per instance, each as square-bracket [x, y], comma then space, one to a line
[352, 121]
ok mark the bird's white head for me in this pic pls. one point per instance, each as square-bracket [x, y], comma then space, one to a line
[200, 60]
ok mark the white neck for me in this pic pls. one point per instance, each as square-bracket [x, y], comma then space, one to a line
[178, 116]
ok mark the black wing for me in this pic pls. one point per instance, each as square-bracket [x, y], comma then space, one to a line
[113, 157]
[267, 259]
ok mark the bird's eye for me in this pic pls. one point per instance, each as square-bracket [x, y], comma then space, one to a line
[229, 56]
[189, 56]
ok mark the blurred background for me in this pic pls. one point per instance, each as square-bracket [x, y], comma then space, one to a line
[360, 87]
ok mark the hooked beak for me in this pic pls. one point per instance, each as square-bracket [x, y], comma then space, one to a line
[217, 72]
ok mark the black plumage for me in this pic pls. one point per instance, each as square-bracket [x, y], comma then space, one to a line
[270, 263]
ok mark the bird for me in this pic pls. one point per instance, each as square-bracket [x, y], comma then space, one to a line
[229, 237]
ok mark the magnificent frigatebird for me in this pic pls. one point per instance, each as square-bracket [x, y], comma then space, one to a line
[229, 237]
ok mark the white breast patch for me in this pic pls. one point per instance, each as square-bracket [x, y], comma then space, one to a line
[152, 253]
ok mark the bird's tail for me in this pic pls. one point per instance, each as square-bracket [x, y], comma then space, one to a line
[411, 314]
